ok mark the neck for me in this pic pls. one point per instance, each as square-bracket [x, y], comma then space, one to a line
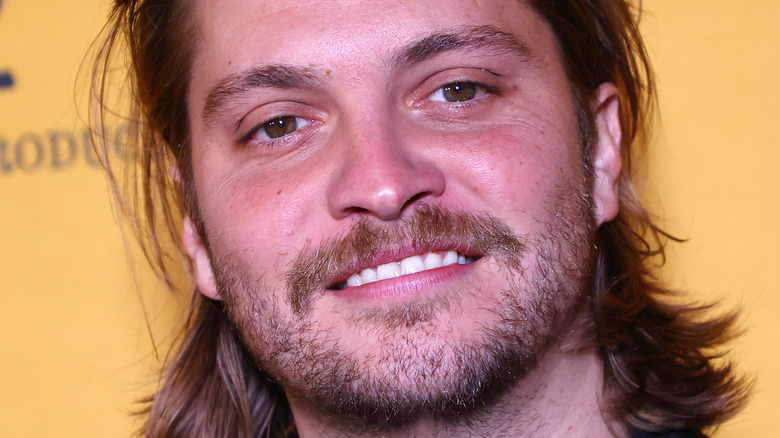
[561, 397]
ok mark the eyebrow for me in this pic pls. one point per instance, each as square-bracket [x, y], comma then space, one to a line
[466, 38]
[243, 82]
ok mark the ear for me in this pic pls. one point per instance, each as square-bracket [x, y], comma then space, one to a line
[204, 275]
[606, 153]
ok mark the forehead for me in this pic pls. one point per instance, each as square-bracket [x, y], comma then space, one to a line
[235, 35]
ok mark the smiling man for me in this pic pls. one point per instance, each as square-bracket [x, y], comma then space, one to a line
[410, 218]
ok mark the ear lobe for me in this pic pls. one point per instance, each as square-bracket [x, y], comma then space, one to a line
[204, 275]
[606, 158]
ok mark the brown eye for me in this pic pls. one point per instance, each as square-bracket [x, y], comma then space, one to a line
[459, 91]
[280, 127]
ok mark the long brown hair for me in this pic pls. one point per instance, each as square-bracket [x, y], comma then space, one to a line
[662, 359]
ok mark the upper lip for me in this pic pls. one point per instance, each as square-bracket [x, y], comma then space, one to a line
[396, 254]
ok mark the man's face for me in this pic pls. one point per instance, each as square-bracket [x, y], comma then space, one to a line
[340, 142]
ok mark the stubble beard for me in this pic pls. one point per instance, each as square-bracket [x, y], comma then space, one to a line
[418, 371]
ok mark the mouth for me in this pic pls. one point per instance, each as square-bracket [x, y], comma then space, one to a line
[406, 266]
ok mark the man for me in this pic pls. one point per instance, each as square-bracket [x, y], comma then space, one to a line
[410, 218]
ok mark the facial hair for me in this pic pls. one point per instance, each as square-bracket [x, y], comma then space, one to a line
[419, 369]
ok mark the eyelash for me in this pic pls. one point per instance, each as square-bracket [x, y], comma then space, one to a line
[301, 122]
[447, 109]
[258, 129]
[481, 89]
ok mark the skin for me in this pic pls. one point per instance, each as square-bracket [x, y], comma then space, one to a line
[376, 140]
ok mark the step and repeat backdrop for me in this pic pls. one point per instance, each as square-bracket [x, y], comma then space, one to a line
[75, 353]
[75, 350]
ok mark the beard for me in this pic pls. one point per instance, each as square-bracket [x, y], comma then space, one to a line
[421, 363]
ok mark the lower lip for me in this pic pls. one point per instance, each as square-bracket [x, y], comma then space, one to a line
[406, 285]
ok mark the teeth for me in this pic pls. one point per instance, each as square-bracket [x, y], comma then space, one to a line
[368, 275]
[412, 264]
[433, 261]
[354, 281]
[389, 270]
[450, 258]
[409, 265]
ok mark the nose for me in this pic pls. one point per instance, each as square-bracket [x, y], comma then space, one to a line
[380, 172]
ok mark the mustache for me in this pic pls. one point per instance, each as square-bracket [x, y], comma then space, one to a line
[427, 228]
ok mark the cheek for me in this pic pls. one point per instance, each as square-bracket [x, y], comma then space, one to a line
[515, 168]
[258, 219]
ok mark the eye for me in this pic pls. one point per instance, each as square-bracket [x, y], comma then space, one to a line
[280, 126]
[457, 92]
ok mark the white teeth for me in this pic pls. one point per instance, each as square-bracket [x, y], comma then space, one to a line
[412, 264]
[368, 275]
[450, 258]
[433, 260]
[354, 281]
[388, 270]
[409, 265]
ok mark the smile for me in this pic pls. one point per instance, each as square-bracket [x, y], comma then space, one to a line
[406, 266]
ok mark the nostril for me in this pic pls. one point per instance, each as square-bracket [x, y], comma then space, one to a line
[415, 198]
[356, 210]
[383, 184]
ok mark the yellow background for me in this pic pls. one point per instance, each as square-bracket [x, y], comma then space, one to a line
[74, 349]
